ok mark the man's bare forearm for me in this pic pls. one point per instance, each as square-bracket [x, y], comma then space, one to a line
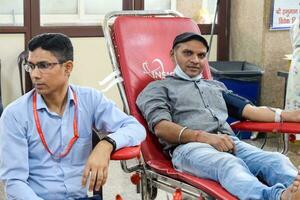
[265, 114]
[170, 132]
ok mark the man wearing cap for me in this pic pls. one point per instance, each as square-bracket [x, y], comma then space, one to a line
[189, 114]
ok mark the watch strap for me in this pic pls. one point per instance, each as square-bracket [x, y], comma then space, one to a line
[111, 141]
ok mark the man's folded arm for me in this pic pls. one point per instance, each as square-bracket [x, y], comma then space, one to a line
[123, 129]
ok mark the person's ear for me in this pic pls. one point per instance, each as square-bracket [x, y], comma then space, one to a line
[171, 52]
[172, 55]
[68, 67]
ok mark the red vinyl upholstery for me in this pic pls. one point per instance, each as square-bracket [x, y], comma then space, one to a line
[126, 153]
[143, 45]
[286, 127]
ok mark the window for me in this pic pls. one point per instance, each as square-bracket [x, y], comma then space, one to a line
[202, 11]
[160, 5]
[76, 12]
[11, 13]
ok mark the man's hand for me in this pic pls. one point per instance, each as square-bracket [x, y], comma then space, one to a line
[221, 142]
[97, 165]
[170, 132]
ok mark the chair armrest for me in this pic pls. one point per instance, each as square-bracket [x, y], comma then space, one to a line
[281, 127]
[126, 153]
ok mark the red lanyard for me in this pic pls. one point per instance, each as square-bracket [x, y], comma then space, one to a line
[39, 129]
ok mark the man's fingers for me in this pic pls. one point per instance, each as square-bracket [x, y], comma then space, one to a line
[93, 178]
[296, 185]
[230, 144]
[105, 174]
[225, 144]
[224, 147]
[221, 147]
[99, 179]
[294, 188]
[86, 173]
[233, 149]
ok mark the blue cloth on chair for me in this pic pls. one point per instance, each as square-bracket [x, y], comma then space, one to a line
[235, 104]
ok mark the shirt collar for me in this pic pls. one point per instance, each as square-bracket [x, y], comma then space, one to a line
[40, 103]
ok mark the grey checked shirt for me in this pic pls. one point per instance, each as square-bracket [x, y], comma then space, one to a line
[198, 105]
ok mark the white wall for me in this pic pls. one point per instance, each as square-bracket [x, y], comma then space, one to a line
[11, 45]
[91, 64]
[213, 48]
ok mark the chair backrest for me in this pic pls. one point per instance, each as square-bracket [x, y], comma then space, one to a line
[21, 59]
[143, 45]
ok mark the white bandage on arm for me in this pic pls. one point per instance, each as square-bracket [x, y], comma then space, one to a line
[277, 117]
[277, 111]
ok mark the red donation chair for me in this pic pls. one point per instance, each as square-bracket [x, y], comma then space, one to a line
[139, 43]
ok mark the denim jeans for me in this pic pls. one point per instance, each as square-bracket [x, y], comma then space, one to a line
[238, 173]
[96, 197]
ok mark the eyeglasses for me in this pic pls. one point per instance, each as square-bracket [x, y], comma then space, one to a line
[43, 67]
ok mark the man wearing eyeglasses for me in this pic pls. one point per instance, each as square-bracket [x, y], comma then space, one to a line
[46, 135]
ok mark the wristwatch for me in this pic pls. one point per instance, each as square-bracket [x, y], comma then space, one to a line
[111, 141]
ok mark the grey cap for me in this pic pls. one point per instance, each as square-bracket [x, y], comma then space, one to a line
[187, 36]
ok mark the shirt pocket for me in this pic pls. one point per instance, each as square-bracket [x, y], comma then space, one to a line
[81, 151]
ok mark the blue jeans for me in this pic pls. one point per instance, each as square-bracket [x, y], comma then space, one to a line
[238, 173]
[95, 197]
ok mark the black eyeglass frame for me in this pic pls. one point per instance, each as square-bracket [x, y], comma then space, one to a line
[41, 66]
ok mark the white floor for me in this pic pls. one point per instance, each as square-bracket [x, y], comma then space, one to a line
[118, 183]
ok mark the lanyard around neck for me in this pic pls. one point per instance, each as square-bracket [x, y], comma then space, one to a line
[39, 128]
